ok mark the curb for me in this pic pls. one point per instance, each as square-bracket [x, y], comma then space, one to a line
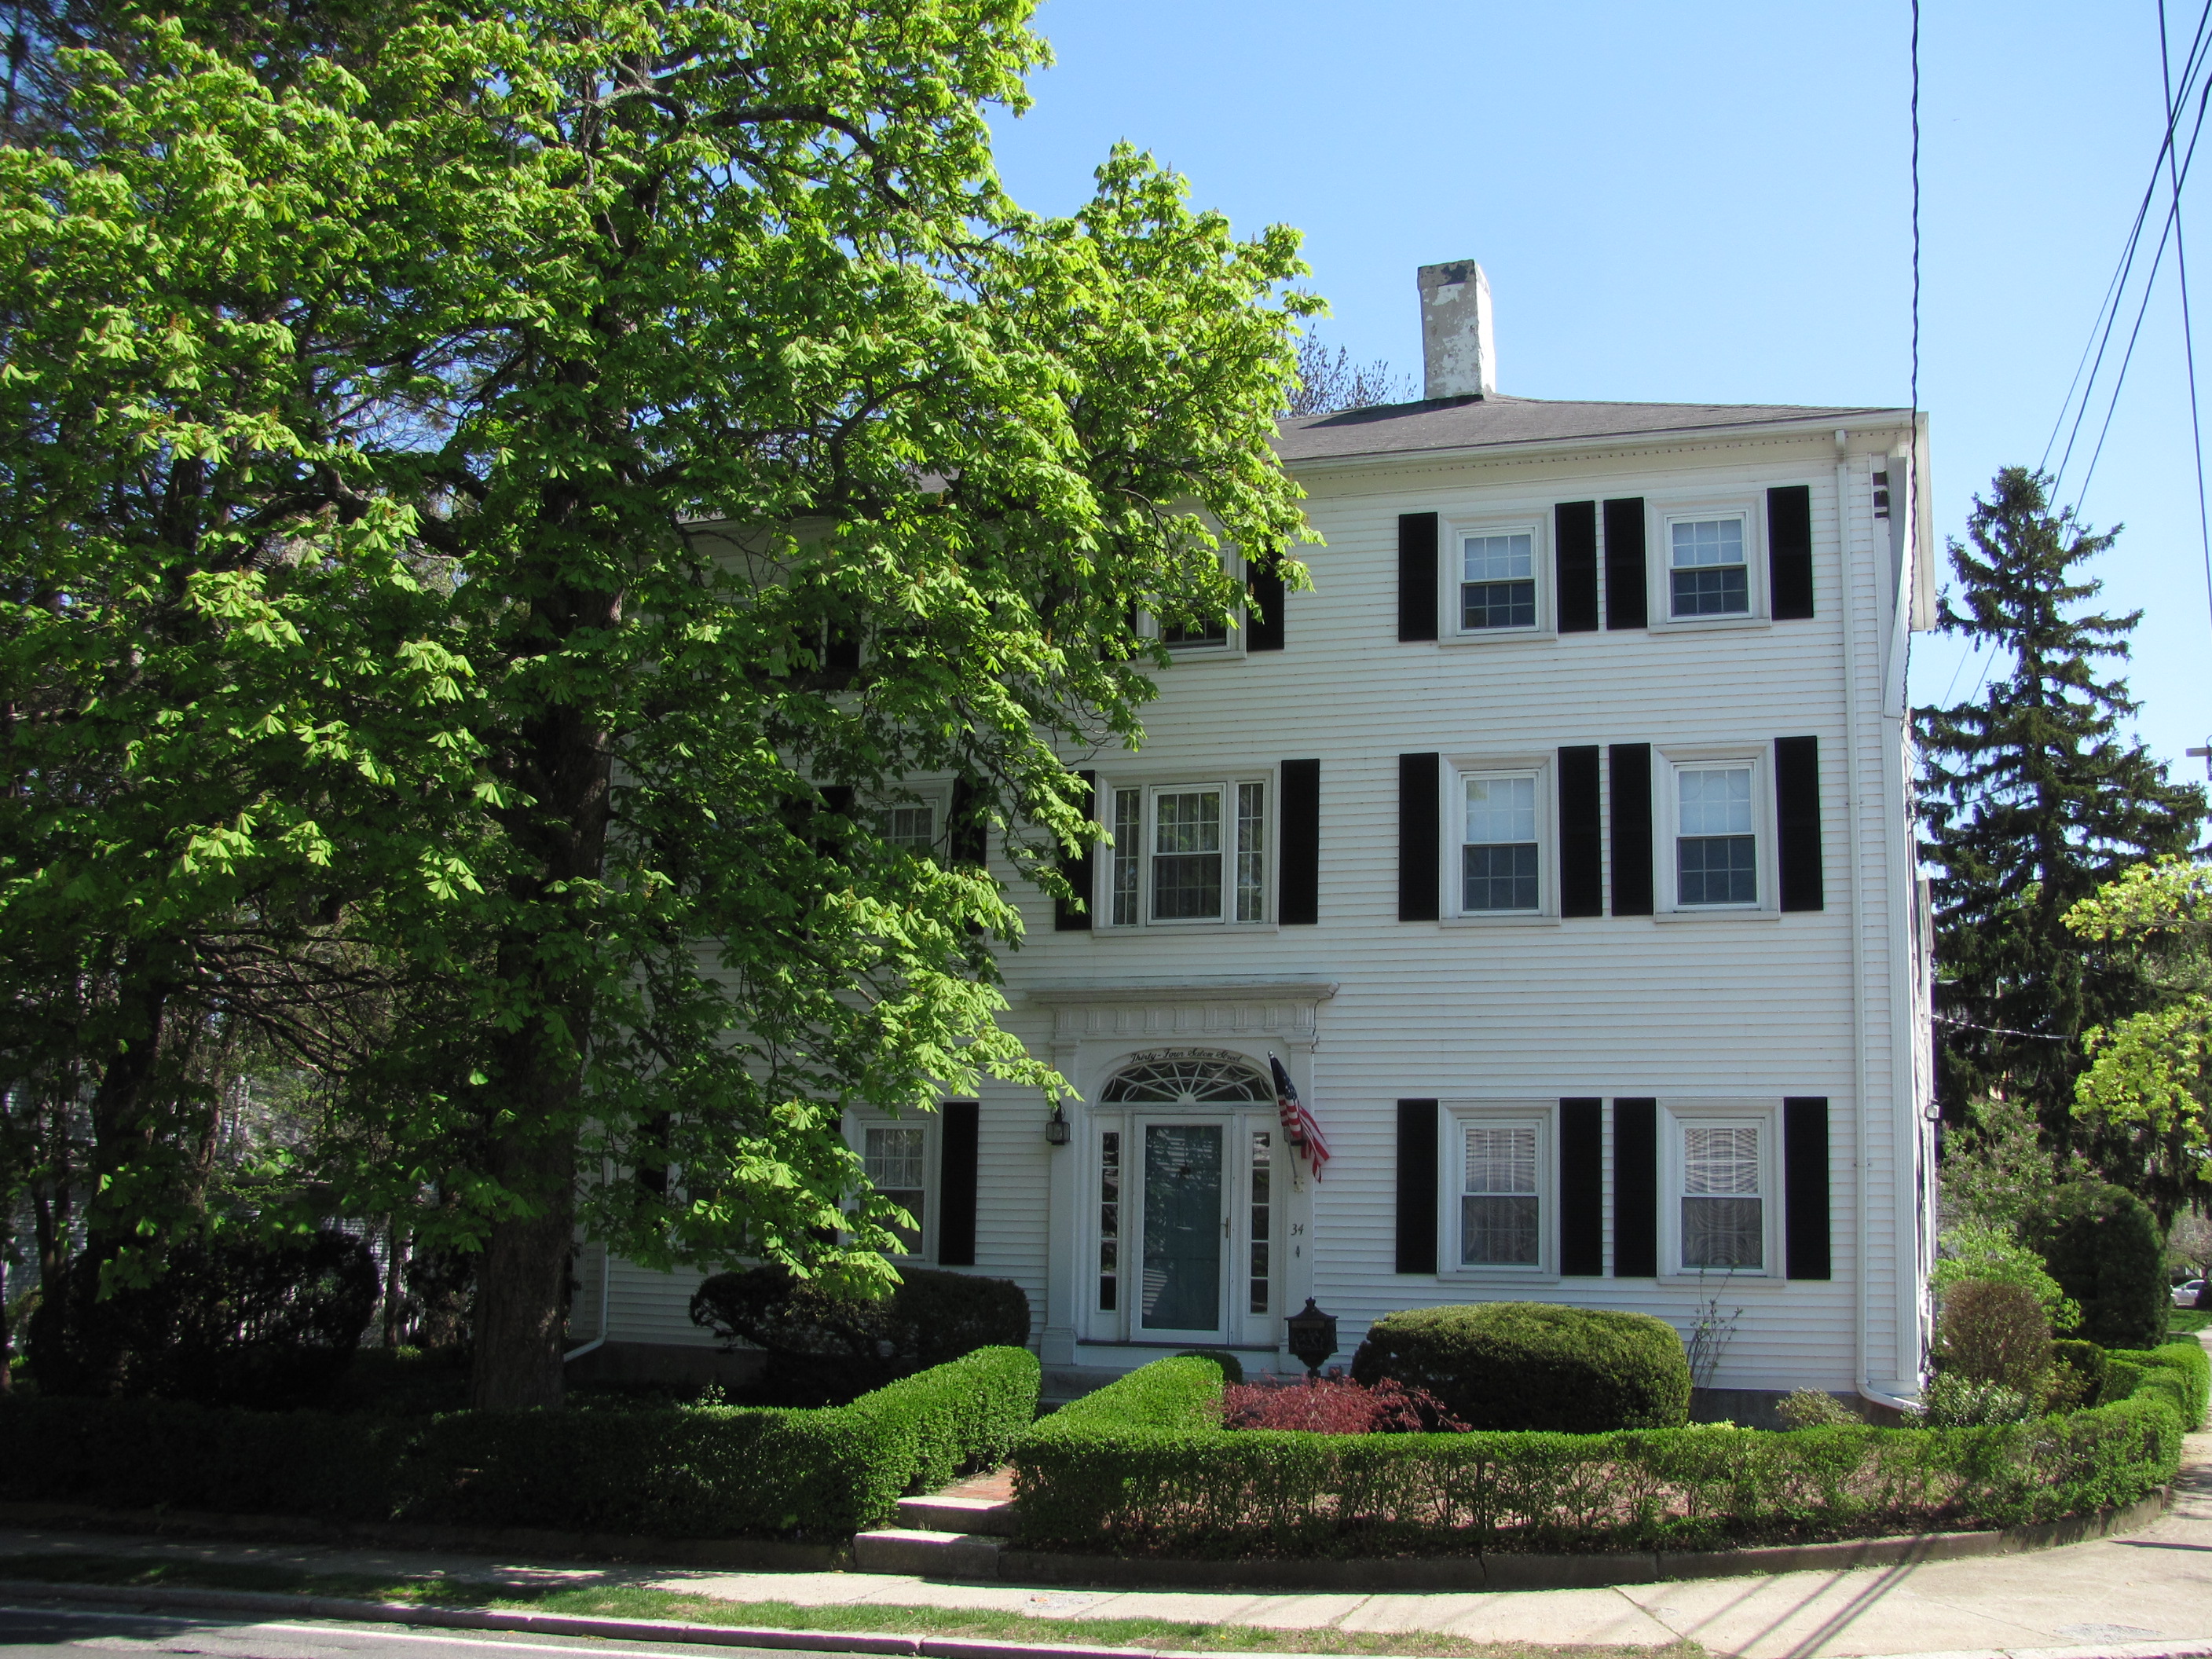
[546, 1624]
[2173, 1650]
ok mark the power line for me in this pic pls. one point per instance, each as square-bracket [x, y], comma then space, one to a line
[2108, 312]
[2188, 330]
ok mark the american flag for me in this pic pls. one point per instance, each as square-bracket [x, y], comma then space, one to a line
[1297, 1122]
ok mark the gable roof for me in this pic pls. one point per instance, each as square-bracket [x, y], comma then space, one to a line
[1480, 422]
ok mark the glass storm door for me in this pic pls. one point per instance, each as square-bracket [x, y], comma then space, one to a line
[1185, 1227]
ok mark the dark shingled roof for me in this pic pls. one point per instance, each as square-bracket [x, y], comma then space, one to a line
[1480, 422]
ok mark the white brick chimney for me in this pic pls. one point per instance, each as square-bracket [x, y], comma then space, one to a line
[1457, 348]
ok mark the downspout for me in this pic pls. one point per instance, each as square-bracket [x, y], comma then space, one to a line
[606, 1278]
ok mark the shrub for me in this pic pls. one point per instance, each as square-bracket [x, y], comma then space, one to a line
[673, 1471]
[2102, 1244]
[1146, 1472]
[2077, 1375]
[1335, 1405]
[1981, 1251]
[232, 1320]
[1815, 1409]
[1232, 1368]
[825, 1348]
[2180, 1371]
[1953, 1399]
[1535, 1365]
[1995, 1334]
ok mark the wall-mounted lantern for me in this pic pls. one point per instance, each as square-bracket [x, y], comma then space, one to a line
[1055, 1128]
[1312, 1336]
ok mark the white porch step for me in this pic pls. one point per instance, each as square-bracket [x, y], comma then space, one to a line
[943, 1513]
[928, 1554]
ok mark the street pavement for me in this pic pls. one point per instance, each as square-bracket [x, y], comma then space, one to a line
[46, 1633]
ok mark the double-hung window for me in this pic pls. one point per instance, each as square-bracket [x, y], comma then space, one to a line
[1716, 838]
[1189, 853]
[913, 828]
[1723, 1196]
[1500, 1200]
[1708, 567]
[1497, 581]
[895, 1157]
[1500, 858]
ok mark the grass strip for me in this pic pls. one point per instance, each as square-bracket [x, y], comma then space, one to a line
[621, 1601]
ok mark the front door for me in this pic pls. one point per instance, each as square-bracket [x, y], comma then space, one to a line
[1183, 1230]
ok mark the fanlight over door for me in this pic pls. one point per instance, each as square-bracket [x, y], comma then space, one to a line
[1174, 1077]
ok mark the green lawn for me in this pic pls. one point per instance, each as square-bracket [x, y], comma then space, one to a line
[2187, 1321]
[636, 1602]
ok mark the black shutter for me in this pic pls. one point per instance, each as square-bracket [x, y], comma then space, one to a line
[1298, 861]
[1581, 838]
[1417, 1186]
[1797, 822]
[837, 798]
[1582, 1189]
[1420, 836]
[1625, 605]
[958, 1142]
[1263, 617]
[1574, 532]
[968, 837]
[841, 649]
[1065, 918]
[1632, 828]
[1417, 575]
[1805, 1185]
[1790, 552]
[1635, 1189]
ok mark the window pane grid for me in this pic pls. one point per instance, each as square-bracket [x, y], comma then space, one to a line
[1498, 576]
[896, 1161]
[913, 828]
[1251, 852]
[1128, 837]
[1187, 855]
[1724, 1214]
[1500, 1208]
[1499, 863]
[1263, 1164]
[1716, 854]
[1109, 1220]
[1708, 577]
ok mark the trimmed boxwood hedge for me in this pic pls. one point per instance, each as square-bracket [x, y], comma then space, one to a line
[1535, 1365]
[1142, 1466]
[671, 1472]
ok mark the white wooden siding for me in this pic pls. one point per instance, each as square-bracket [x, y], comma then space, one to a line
[1737, 1006]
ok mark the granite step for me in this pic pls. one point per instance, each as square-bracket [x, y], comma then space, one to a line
[945, 1512]
[927, 1555]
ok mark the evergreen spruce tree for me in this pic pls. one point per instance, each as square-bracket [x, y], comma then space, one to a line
[2029, 800]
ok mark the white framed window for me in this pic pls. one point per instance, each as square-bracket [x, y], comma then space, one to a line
[900, 1160]
[1710, 566]
[1717, 854]
[1720, 1170]
[1499, 1210]
[1189, 853]
[1496, 580]
[916, 820]
[1499, 839]
[1197, 643]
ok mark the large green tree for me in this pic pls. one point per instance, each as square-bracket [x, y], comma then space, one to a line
[2031, 798]
[754, 457]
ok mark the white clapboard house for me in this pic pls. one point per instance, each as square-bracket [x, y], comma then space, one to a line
[1559, 845]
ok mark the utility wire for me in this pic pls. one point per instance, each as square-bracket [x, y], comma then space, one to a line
[2188, 330]
[2150, 287]
[2108, 313]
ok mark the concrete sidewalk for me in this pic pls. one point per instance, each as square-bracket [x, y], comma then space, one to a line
[2150, 1587]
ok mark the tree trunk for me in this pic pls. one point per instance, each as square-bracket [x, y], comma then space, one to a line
[522, 1279]
[563, 764]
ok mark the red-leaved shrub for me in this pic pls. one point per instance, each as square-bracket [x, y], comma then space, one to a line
[1335, 1405]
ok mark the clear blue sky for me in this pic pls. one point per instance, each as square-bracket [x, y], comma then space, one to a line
[1708, 201]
